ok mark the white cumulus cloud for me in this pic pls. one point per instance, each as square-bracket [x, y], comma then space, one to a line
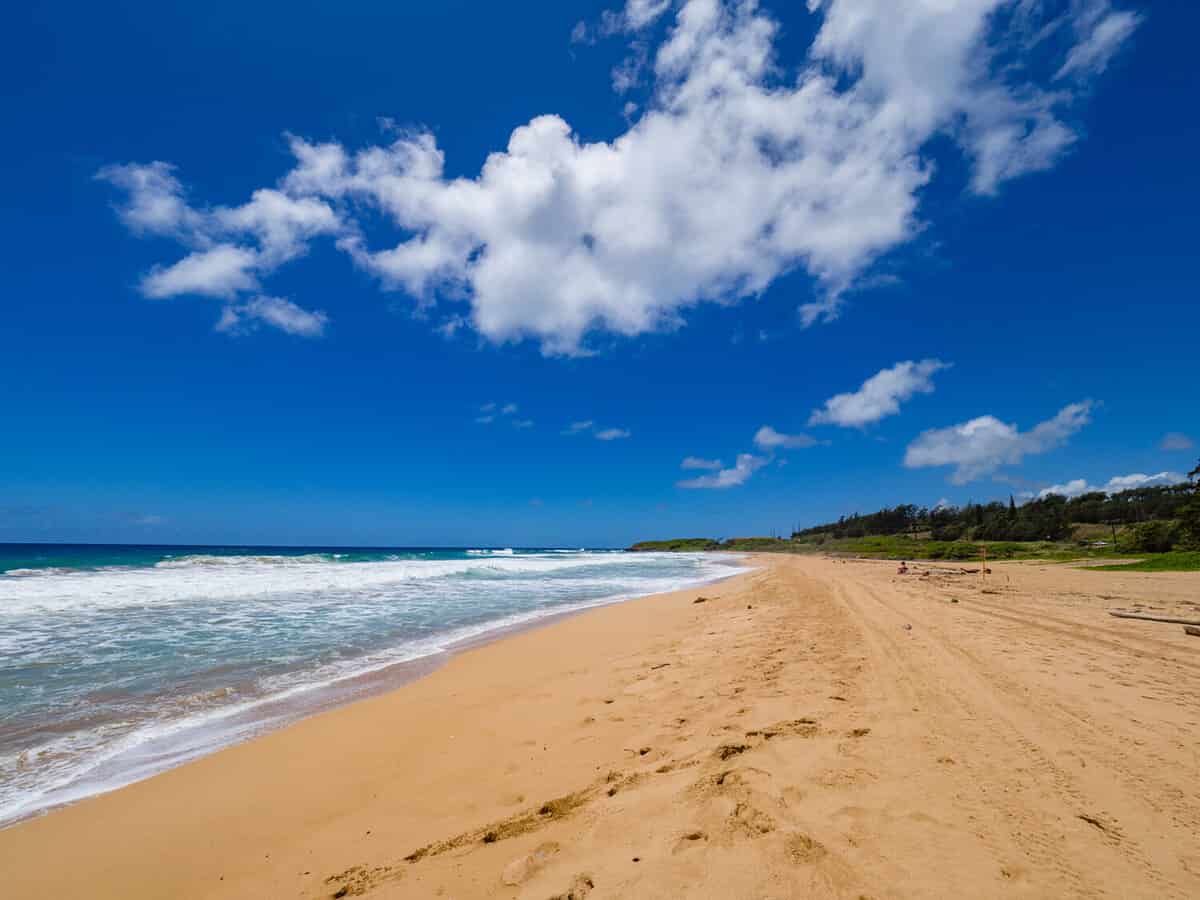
[747, 464]
[880, 395]
[1077, 486]
[982, 445]
[1137, 480]
[1073, 488]
[222, 271]
[231, 245]
[737, 171]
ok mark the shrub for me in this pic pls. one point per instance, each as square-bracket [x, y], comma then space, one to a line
[1149, 537]
[947, 532]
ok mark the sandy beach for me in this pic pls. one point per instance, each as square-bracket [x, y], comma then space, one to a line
[815, 728]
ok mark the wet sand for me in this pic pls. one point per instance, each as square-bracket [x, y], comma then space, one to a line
[813, 729]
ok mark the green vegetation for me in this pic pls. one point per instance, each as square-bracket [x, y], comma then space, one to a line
[696, 545]
[678, 545]
[1160, 524]
[899, 546]
[756, 544]
[1050, 518]
[1149, 537]
[1175, 561]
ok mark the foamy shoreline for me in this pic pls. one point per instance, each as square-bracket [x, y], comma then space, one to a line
[153, 750]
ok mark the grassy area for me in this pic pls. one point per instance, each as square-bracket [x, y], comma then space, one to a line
[897, 546]
[894, 546]
[1175, 561]
[736, 545]
[903, 546]
[678, 545]
[758, 545]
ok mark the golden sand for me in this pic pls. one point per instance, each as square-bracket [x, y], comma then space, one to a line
[813, 729]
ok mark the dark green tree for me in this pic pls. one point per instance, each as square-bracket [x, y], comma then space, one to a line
[1189, 514]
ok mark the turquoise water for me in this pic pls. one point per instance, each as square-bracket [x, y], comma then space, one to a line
[117, 662]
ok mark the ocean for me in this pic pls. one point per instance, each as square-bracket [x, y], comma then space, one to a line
[117, 662]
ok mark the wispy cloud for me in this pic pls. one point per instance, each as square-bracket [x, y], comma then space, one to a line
[493, 412]
[747, 464]
[880, 395]
[1174, 440]
[612, 434]
[587, 426]
[1100, 35]
[767, 438]
[635, 16]
[982, 445]
[276, 312]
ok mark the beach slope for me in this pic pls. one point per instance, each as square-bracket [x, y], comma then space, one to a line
[815, 728]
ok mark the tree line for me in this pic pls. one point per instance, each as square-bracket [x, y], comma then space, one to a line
[1151, 518]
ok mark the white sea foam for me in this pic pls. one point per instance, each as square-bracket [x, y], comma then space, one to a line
[129, 671]
[210, 560]
[228, 577]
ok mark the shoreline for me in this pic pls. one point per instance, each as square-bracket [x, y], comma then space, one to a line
[821, 728]
[222, 728]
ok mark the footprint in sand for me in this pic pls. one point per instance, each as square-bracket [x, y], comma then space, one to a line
[579, 889]
[751, 821]
[525, 867]
[690, 840]
[804, 849]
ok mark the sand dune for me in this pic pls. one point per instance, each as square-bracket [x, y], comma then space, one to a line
[813, 729]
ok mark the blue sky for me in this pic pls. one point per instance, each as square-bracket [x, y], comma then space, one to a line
[261, 280]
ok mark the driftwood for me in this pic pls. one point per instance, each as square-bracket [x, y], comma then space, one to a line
[1130, 615]
[1192, 629]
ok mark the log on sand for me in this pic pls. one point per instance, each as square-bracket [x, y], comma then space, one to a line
[1170, 621]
